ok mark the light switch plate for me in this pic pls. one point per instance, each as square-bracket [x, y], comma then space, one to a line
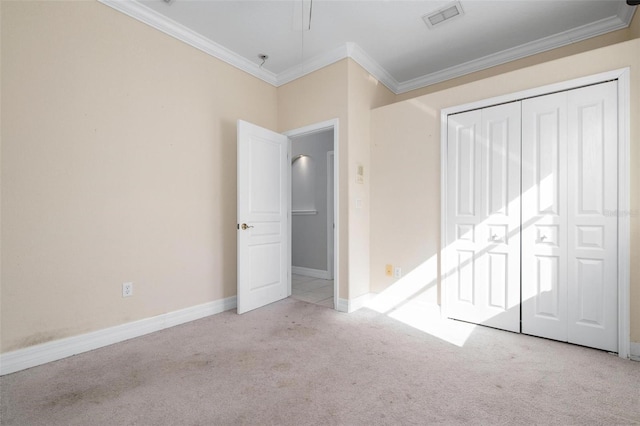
[360, 174]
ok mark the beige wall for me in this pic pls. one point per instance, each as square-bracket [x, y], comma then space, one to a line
[347, 92]
[634, 27]
[405, 191]
[318, 97]
[405, 160]
[118, 164]
[365, 93]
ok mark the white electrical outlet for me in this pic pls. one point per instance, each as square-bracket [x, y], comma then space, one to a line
[127, 289]
[397, 272]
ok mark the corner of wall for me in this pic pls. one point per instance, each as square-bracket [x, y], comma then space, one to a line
[634, 26]
[635, 351]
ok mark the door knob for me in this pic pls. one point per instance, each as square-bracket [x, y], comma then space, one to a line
[244, 226]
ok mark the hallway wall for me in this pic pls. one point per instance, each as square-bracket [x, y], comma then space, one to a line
[309, 182]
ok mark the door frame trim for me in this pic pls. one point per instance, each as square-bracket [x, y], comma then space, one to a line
[308, 130]
[622, 75]
[331, 189]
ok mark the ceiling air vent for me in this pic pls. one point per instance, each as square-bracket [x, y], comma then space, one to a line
[440, 16]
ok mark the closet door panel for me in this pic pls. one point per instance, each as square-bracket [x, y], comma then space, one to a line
[544, 218]
[592, 203]
[501, 208]
[547, 291]
[467, 168]
[463, 208]
[482, 250]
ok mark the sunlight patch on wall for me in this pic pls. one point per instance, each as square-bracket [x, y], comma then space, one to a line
[413, 285]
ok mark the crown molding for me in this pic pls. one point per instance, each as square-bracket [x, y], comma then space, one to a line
[348, 50]
[548, 43]
[160, 22]
[372, 67]
[351, 50]
[311, 65]
[625, 12]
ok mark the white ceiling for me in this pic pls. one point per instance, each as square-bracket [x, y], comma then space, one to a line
[387, 37]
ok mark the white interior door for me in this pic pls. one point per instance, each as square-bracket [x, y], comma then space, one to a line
[263, 214]
[483, 217]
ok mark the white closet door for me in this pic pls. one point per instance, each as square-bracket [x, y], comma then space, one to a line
[569, 226]
[544, 216]
[592, 232]
[464, 168]
[483, 209]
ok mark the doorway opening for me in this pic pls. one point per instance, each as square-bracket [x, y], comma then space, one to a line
[313, 214]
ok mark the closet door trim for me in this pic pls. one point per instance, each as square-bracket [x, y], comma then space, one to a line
[624, 95]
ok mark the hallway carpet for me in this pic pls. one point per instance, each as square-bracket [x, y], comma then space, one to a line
[294, 363]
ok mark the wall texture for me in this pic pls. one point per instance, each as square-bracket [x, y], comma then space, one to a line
[118, 164]
[405, 203]
[365, 93]
[413, 127]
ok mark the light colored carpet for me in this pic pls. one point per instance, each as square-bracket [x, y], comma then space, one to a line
[294, 363]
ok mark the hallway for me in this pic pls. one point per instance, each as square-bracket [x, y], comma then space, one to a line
[312, 290]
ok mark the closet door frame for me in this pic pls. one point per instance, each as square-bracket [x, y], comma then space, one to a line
[622, 76]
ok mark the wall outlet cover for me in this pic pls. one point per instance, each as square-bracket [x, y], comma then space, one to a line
[388, 270]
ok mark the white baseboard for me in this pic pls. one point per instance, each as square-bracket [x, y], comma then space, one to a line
[342, 305]
[32, 356]
[352, 305]
[308, 272]
[360, 302]
[634, 349]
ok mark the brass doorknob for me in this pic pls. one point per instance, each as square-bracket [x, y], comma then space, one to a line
[244, 226]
